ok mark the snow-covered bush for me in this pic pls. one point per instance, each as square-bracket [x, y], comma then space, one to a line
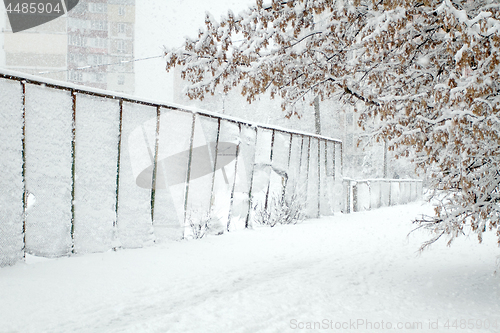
[282, 209]
[202, 225]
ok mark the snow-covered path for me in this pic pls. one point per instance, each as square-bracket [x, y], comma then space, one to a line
[351, 270]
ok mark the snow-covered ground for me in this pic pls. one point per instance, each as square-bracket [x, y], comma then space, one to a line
[358, 271]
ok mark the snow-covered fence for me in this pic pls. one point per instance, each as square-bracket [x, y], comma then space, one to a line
[87, 171]
[361, 195]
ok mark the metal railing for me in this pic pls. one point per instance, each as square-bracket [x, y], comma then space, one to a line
[362, 195]
[87, 171]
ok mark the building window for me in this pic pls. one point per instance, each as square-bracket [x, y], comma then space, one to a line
[122, 28]
[96, 59]
[75, 76]
[121, 80]
[120, 62]
[120, 46]
[99, 77]
[97, 7]
[76, 58]
[98, 25]
[121, 10]
[77, 40]
[78, 24]
[101, 43]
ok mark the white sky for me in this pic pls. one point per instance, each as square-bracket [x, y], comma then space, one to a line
[158, 23]
[166, 22]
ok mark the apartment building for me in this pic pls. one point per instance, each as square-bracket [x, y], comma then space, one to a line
[92, 45]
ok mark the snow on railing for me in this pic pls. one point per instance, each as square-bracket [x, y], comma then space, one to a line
[86, 170]
[362, 195]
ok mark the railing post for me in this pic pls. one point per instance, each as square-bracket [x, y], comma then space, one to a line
[355, 202]
[120, 125]
[155, 163]
[319, 178]
[341, 144]
[234, 180]
[212, 198]
[288, 166]
[380, 194]
[25, 199]
[73, 171]
[307, 168]
[188, 176]
[300, 161]
[250, 203]
[390, 193]
[271, 167]
[347, 186]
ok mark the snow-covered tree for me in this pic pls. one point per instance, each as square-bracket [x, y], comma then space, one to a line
[426, 71]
